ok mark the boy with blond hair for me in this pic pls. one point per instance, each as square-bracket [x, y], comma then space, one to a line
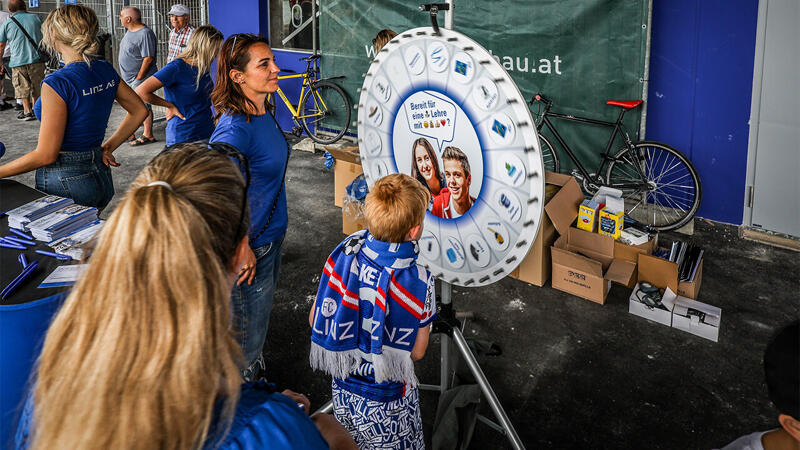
[371, 319]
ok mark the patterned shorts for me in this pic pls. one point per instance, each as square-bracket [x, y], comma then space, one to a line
[380, 425]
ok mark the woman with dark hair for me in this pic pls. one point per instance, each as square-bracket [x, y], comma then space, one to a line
[246, 73]
[425, 166]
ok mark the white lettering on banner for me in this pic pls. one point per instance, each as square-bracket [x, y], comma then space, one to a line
[545, 65]
[403, 339]
[332, 329]
[368, 274]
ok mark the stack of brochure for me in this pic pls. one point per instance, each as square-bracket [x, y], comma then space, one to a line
[62, 222]
[73, 244]
[20, 217]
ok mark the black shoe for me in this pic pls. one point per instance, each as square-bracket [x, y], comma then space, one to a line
[6, 106]
[30, 116]
[18, 107]
[22, 116]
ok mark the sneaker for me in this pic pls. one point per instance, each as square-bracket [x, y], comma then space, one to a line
[26, 117]
[21, 115]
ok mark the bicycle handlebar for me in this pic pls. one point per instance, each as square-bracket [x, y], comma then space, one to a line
[287, 71]
[310, 58]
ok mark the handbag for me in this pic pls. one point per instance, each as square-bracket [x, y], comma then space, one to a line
[44, 56]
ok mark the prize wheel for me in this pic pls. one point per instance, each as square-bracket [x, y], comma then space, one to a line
[441, 109]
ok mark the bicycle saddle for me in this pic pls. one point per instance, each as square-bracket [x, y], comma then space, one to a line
[627, 105]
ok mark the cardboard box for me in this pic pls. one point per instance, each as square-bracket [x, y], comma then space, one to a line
[656, 314]
[697, 318]
[587, 215]
[346, 169]
[584, 265]
[631, 253]
[664, 274]
[351, 225]
[560, 212]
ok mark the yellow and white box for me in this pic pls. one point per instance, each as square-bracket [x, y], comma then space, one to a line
[610, 223]
[587, 215]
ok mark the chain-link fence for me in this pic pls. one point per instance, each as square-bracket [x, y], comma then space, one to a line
[154, 15]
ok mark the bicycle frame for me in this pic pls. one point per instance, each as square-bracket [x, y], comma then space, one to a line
[617, 128]
[309, 77]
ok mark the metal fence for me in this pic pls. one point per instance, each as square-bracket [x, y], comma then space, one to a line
[154, 15]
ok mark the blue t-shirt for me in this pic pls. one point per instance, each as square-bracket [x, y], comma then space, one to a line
[262, 142]
[89, 92]
[180, 89]
[263, 419]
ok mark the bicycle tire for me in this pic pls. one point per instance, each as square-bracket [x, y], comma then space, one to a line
[333, 111]
[549, 156]
[663, 167]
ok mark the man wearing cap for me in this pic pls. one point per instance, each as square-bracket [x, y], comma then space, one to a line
[181, 30]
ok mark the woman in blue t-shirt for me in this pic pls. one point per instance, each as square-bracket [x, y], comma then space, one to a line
[187, 88]
[71, 159]
[246, 73]
[141, 354]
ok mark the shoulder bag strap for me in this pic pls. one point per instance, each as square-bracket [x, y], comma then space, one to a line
[283, 183]
[30, 39]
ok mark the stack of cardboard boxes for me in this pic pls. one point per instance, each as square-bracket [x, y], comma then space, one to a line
[346, 169]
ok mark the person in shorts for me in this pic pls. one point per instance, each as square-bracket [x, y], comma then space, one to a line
[371, 319]
[28, 70]
[137, 61]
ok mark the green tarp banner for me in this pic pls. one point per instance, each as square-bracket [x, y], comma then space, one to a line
[578, 53]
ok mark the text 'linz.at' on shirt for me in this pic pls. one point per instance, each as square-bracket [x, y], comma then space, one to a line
[89, 91]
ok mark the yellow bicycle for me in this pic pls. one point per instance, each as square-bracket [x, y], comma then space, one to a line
[323, 110]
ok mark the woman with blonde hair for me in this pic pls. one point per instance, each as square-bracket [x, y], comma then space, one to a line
[71, 159]
[382, 38]
[141, 354]
[187, 88]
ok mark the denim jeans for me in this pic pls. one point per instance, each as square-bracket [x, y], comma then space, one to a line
[81, 176]
[252, 303]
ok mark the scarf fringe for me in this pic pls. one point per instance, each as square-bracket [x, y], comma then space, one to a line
[338, 364]
[394, 365]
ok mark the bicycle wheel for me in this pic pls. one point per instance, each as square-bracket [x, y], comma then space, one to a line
[325, 112]
[549, 157]
[668, 192]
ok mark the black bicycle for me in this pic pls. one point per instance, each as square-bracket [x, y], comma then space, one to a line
[660, 185]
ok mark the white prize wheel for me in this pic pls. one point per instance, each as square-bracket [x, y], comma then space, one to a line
[427, 96]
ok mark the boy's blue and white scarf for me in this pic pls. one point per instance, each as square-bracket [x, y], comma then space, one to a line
[369, 304]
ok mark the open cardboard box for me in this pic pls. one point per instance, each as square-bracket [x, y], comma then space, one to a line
[656, 314]
[697, 318]
[560, 212]
[584, 265]
[346, 169]
[631, 253]
[664, 274]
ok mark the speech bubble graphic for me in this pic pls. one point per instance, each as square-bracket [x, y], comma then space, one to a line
[432, 116]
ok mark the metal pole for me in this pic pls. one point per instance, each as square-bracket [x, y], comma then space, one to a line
[444, 371]
[486, 388]
[448, 16]
[314, 27]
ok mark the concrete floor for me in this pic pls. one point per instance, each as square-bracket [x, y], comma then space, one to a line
[573, 374]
